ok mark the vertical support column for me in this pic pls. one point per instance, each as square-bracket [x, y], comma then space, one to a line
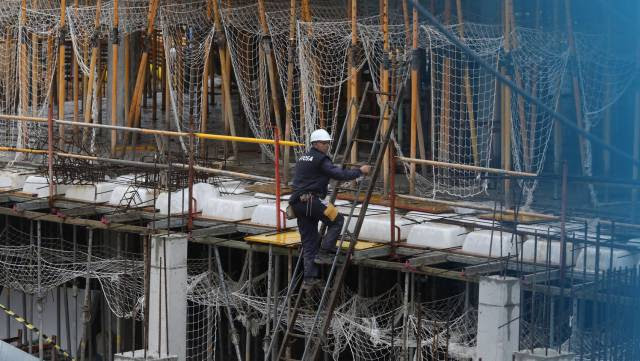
[636, 135]
[168, 306]
[61, 72]
[415, 100]
[506, 104]
[353, 79]
[385, 90]
[498, 324]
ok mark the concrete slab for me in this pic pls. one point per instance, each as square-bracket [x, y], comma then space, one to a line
[607, 259]
[233, 207]
[490, 244]
[437, 235]
[377, 228]
[91, 193]
[265, 214]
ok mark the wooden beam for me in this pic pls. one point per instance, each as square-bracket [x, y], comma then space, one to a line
[385, 88]
[353, 79]
[468, 95]
[95, 48]
[75, 221]
[225, 71]
[134, 110]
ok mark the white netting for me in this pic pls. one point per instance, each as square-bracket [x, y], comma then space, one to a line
[539, 60]
[133, 16]
[37, 63]
[187, 33]
[369, 328]
[604, 76]
[84, 34]
[244, 35]
[9, 40]
[279, 28]
[462, 105]
[323, 48]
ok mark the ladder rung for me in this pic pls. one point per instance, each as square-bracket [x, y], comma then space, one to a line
[369, 116]
[364, 141]
[382, 93]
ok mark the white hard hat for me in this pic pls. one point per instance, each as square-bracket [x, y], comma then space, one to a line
[320, 135]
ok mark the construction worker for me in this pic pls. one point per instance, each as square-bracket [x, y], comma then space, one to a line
[313, 171]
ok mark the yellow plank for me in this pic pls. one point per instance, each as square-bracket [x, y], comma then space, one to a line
[292, 238]
[286, 239]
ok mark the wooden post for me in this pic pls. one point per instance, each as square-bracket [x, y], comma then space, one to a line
[134, 110]
[415, 100]
[114, 76]
[443, 149]
[291, 56]
[95, 48]
[577, 98]
[306, 16]
[384, 88]
[273, 86]
[225, 70]
[24, 86]
[353, 79]
[61, 72]
[506, 103]
[204, 101]
[468, 95]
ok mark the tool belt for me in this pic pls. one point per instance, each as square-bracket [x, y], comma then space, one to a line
[306, 197]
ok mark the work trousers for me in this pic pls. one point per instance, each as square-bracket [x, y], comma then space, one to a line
[308, 214]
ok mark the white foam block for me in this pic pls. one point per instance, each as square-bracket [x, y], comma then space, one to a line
[92, 193]
[233, 207]
[231, 187]
[40, 186]
[437, 235]
[204, 193]
[619, 259]
[13, 178]
[490, 244]
[131, 196]
[372, 209]
[265, 214]
[179, 202]
[543, 251]
[423, 217]
[377, 228]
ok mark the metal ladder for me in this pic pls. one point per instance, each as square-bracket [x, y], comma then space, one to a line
[335, 279]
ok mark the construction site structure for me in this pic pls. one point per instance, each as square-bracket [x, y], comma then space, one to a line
[147, 149]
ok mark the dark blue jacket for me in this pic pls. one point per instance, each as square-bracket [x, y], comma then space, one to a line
[314, 170]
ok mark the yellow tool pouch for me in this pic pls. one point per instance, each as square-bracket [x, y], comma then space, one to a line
[331, 212]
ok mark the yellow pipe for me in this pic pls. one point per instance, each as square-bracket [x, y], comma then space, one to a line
[228, 138]
[22, 150]
[232, 138]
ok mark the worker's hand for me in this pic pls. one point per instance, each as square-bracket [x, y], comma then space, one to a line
[365, 169]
